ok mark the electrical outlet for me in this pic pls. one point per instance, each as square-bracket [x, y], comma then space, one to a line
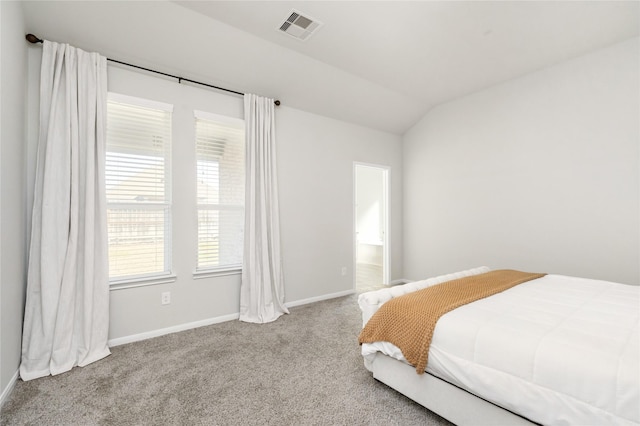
[343, 271]
[165, 298]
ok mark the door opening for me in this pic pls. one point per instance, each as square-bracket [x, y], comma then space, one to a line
[371, 217]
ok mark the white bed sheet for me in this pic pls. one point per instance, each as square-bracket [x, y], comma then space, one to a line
[558, 350]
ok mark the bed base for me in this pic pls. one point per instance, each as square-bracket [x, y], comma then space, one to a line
[448, 401]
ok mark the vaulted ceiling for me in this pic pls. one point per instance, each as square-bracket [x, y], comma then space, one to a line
[380, 64]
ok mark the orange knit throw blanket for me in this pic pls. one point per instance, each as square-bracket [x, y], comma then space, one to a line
[408, 321]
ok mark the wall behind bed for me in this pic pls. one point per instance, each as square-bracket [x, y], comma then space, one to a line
[540, 173]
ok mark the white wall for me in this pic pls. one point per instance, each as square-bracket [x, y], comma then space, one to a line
[13, 214]
[540, 173]
[315, 158]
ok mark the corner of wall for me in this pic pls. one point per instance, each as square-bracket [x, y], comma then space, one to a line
[13, 67]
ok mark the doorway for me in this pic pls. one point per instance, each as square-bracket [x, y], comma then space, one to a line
[371, 218]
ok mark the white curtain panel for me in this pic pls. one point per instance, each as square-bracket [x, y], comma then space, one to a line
[67, 308]
[262, 289]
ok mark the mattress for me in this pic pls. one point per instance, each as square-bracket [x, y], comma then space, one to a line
[558, 350]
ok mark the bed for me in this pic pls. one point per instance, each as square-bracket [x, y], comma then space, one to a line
[556, 350]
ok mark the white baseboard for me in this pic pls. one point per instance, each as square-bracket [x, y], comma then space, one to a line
[190, 325]
[174, 329]
[9, 388]
[318, 298]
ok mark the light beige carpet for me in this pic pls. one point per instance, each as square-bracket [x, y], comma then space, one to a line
[303, 369]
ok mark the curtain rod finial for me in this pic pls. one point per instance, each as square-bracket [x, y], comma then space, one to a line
[277, 102]
[33, 39]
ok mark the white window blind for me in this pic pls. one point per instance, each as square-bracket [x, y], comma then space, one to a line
[220, 191]
[138, 176]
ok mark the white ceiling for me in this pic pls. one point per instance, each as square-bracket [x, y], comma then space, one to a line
[381, 64]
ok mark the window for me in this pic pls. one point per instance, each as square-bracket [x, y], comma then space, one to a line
[220, 191]
[138, 176]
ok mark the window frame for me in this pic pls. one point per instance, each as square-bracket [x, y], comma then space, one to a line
[230, 269]
[166, 276]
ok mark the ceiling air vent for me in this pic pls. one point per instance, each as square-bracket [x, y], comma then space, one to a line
[299, 26]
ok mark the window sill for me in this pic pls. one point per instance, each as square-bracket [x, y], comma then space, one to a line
[210, 273]
[142, 282]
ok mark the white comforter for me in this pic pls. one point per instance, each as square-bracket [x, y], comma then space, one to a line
[558, 350]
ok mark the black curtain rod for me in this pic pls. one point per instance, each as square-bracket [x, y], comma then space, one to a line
[33, 39]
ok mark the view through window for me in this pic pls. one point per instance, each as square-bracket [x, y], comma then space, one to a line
[138, 176]
[220, 191]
